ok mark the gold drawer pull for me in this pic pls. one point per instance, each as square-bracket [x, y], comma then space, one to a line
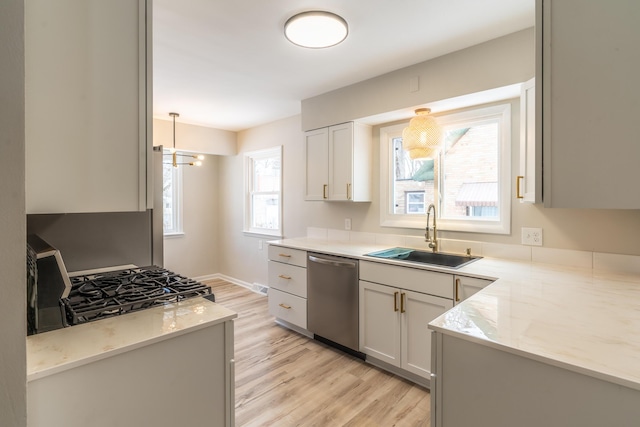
[284, 255]
[288, 307]
[324, 191]
[282, 276]
[457, 290]
[348, 191]
[402, 296]
[395, 301]
[518, 195]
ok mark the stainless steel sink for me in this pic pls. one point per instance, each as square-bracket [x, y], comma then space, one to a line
[425, 257]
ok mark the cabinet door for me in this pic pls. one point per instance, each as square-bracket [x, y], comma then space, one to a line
[467, 286]
[341, 162]
[86, 98]
[380, 322]
[316, 143]
[417, 311]
[529, 182]
[589, 62]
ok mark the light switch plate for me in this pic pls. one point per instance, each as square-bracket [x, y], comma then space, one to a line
[532, 236]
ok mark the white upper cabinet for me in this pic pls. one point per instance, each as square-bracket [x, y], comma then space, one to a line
[529, 181]
[338, 162]
[88, 103]
[316, 143]
[588, 63]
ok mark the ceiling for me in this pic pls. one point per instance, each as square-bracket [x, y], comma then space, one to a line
[226, 63]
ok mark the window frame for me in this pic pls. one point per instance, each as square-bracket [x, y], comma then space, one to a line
[249, 164]
[388, 218]
[176, 229]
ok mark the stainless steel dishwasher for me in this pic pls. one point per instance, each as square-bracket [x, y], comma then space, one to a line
[332, 301]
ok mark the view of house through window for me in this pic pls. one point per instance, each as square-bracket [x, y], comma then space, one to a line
[171, 199]
[463, 181]
[263, 213]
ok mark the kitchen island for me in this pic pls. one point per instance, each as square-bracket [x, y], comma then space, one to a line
[544, 344]
[164, 366]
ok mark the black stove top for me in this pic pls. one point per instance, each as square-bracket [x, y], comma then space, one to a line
[101, 295]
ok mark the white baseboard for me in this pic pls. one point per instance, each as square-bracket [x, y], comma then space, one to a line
[254, 287]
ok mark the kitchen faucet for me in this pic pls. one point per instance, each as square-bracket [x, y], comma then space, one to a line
[433, 243]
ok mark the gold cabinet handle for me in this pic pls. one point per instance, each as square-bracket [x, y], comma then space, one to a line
[457, 290]
[324, 191]
[348, 191]
[285, 255]
[282, 276]
[395, 301]
[402, 297]
[518, 180]
[288, 307]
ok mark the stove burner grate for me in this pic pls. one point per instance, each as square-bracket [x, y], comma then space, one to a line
[113, 293]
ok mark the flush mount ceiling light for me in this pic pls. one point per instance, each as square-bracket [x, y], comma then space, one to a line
[177, 158]
[422, 138]
[316, 29]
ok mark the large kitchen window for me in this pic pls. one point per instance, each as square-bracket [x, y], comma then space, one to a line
[468, 181]
[263, 196]
[171, 199]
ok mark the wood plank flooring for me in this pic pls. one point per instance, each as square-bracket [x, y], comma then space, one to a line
[286, 379]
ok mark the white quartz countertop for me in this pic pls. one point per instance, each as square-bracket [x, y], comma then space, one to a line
[580, 319]
[55, 351]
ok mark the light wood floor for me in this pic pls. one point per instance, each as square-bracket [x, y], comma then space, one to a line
[286, 379]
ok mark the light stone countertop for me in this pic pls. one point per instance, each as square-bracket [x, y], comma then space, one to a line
[580, 319]
[56, 351]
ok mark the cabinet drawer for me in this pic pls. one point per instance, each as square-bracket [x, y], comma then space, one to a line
[288, 278]
[288, 256]
[413, 279]
[290, 308]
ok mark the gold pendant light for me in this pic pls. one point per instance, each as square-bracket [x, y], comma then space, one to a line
[423, 135]
[177, 158]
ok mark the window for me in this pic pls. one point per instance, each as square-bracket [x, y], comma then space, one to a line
[414, 202]
[263, 199]
[171, 199]
[468, 182]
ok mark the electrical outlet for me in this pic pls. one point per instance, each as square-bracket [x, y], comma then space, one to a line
[532, 236]
[347, 223]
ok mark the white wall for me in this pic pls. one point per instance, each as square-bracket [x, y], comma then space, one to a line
[500, 62]
[194, 138]
[195, 253]
[13, 330]
[613, 231]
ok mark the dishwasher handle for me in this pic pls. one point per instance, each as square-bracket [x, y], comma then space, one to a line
[333, 263]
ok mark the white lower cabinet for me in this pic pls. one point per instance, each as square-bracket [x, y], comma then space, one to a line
[288, 287]
[130, 388]
[393, 326]
[467, 286]
[288, 307]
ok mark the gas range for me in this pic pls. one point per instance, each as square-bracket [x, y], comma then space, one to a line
[112, 293]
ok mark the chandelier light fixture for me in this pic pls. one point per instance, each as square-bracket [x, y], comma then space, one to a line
[316, 29]
[178, 159]
[423, 135]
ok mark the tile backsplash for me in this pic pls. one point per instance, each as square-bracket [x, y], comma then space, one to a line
[566, 257]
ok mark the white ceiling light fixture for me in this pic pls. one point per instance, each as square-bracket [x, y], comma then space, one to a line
[175, 162]
[316, 29]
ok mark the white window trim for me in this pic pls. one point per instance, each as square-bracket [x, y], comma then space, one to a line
[248, 177]
[177, 197]
[503, 226]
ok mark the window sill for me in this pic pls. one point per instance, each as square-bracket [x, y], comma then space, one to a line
[263, 235]
[173, 235]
